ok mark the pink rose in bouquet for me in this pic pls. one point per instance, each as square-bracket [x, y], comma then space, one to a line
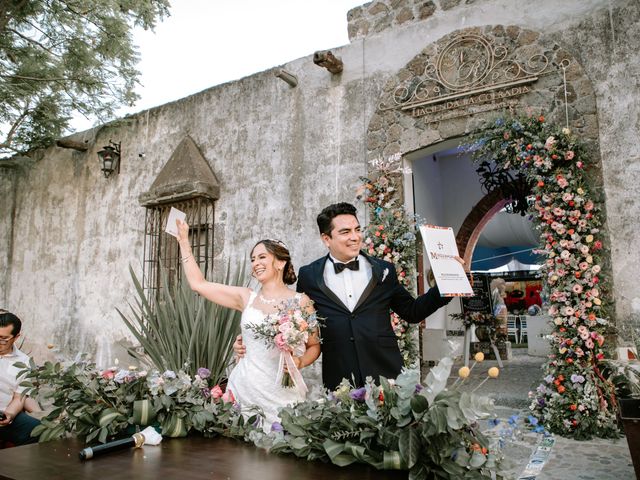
[216, 392]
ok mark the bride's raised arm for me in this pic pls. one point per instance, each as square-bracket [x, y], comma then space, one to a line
[225, 295]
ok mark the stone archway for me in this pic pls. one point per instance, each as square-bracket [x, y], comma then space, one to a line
[505, 68]
[426, 104]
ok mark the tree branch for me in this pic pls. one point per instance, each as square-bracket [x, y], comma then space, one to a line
[85, 15]
[13, 129]
[31, 40]
[54, 79]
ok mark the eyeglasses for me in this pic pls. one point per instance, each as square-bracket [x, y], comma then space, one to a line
[4, 340]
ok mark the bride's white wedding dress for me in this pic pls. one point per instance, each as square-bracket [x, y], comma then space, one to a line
[253, 380]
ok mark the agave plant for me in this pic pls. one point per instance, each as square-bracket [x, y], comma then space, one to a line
[180, 330]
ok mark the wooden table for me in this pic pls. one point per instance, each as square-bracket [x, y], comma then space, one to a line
[185, 458]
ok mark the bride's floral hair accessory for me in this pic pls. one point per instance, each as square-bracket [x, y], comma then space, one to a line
[278, 242]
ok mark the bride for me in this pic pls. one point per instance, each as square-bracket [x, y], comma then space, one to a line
[253, 382]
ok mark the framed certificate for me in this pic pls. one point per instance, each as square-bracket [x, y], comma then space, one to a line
[441, 250]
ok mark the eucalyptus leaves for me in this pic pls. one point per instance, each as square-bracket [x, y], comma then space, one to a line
[401, 424]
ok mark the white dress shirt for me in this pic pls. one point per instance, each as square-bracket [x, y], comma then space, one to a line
[348, 285]
[9, 381]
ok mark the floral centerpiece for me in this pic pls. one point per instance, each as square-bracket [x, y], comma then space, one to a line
[98, 405]
[425, 428]
[288, 330]
[575, 398]
[399, 424]
[391, 236]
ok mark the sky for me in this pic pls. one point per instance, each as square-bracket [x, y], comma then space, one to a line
[208, 42]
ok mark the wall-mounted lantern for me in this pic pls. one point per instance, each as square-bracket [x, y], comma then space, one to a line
[110, 158]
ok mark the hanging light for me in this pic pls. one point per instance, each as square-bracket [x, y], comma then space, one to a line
[110, 158]
[513, 185]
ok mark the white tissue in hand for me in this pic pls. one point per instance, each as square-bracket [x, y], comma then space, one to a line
[151, 437]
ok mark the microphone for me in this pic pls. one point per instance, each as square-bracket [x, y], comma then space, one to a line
[136, 440]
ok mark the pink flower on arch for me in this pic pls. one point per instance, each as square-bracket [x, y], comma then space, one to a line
[562, 182]
[549, 144]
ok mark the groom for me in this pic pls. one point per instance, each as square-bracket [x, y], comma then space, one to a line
[354, 294]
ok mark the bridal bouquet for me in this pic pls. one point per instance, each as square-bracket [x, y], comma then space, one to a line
[288, 330]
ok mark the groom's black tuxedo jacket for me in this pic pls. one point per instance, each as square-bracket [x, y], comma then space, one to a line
[362, 343]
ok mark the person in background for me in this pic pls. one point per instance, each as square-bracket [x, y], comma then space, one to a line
[15, 424]
[498, 293]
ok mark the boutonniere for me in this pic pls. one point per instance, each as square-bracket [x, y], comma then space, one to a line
[384, 274]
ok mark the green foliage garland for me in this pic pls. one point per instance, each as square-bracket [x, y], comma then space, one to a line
[99, 405]
[400, 425]
[429, 430]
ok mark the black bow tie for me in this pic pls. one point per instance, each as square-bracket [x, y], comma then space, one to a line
[339, 267]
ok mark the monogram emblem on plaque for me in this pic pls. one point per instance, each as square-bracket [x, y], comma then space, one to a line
[470, 70]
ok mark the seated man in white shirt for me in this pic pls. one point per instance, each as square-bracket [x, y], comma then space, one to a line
[15, 424]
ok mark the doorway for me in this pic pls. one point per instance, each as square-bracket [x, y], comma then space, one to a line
[443, 189]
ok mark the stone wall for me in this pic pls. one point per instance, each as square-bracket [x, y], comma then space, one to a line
[375, 17]
[7, 194]
[281, 154]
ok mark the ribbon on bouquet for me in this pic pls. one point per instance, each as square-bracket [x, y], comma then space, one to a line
[296, 376]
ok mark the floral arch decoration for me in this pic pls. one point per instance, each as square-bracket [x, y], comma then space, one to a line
[575, 398]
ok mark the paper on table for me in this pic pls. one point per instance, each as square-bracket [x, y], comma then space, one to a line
[441, 250]
[174, 214]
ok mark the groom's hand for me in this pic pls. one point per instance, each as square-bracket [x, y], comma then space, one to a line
[238, 347]
[467, 269]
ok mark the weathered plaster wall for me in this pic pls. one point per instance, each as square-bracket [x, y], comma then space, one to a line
[7, 202]
[280, 155]
[607, 44]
